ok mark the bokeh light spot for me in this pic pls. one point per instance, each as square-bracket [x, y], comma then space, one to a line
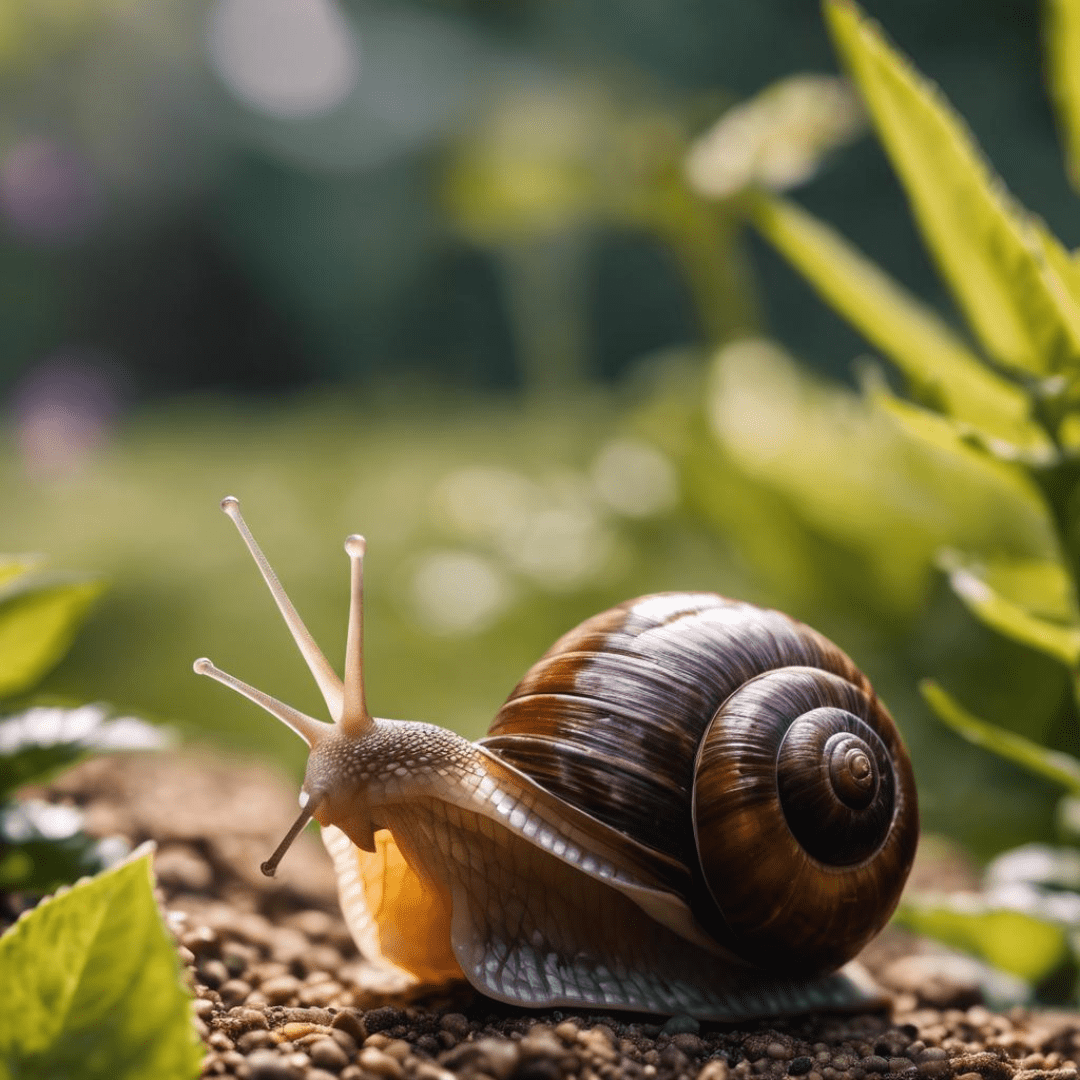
[634, 478]
[459, 592]
[287, 58]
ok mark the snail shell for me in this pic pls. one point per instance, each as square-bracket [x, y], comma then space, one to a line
[745, 745]
[687, 804]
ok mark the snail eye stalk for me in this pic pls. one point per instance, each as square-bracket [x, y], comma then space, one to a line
[269, 868]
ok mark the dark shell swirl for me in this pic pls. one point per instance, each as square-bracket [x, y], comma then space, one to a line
[805, 806]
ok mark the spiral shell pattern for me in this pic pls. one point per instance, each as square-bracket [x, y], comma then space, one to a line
[691, 722]
[804, 810]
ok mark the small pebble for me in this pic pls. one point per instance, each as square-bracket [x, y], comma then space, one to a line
[213, 973]
[321, 994]
[203, 1008]
[800, 1066]
[428, 1070]
[499, 1057]
[717, 1069]
[541, 1042]
[351, 1022]
[326, 1054]
[255, 1040]
[280, 989]
[932, 1053]
[689, 1043]
[268, 1065]
[541, 1069]
[680, 1024]
[233, 991]
[375, 1061]
[398, 1048]
[455, 1023]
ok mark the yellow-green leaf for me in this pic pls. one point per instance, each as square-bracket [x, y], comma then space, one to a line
[929, 353]
[982, 239]
[16, 566]
[1010, 940]
[955, 437]
[1006, 617]
[91, 988]
[1041, 587]
[1054, 765]
[38, 621]
[1063, 68]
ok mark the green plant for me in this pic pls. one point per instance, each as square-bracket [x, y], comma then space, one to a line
[43, 846]
[1010, 401]
[90, 976]
[91, 988]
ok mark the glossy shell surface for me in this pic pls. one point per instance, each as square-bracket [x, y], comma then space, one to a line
[691, 722]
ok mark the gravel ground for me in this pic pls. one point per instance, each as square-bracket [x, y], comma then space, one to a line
[279, 986]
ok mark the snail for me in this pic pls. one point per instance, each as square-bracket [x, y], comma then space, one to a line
[688, 805]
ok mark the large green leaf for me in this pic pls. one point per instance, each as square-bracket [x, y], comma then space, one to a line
[983, 241]
[91, 989]
[1011, 940]
[930, 354]
[1059, 767]
[38, 620]
[1063, 68]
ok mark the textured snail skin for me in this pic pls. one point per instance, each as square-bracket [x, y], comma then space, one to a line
[688, 804]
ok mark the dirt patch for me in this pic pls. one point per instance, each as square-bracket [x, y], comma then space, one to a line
[280, 988]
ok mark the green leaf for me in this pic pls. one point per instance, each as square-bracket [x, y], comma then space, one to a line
[37, 743]
[15, 566]
[1011, 940]
[91, 988]
[953, 437]
[1061, 264]
[1054, 765]
[1063, 70]
[39, 866]
[1011, 619]
[778, 139]
[38, 620]
[1042, 587]
[928, 352]
[982, 240]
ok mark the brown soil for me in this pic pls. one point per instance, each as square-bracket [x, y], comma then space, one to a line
[279, 986]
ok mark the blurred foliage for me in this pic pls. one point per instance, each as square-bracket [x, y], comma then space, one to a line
[493, 528]
[1011, 400]
[42, 846]
[92, 979]
[259, 196]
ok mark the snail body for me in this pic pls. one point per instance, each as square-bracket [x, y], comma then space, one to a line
[688, 804]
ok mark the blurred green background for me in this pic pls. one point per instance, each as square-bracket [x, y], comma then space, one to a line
[433, 272]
